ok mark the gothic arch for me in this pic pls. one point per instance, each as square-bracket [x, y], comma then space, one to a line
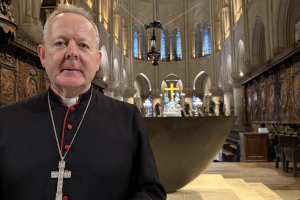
[125, 80]
[201, 16]
[292, 18]
[228, 69]
[240, 57]
[259, 43]
[104, 65]
[117, 72]
[170, 23]
[147, 79]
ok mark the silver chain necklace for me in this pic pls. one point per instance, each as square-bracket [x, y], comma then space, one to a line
[62, 173]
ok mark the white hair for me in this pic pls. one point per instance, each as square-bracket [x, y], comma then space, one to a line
[62, 8]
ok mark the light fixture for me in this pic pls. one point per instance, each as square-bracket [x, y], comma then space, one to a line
[153, 53]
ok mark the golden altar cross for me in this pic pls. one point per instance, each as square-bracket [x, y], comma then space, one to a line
[172, 89]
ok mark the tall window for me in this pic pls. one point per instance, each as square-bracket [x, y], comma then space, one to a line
[207, 50]
[198, 42]
[178, 44]
[135, 43]
[163, 45]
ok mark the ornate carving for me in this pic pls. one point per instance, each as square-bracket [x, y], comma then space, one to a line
[7, 59]
[6, 9]
[249, 102]
[263, 100]
[7, 85]
[255, 102]
[283, 99]
[272, 99]
[26, 43]
[296, 90]
[31, 86]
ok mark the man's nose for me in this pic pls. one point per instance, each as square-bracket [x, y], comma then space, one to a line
[72, 51]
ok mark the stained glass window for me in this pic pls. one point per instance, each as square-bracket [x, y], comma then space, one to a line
[206, 40]
[163, 45]
[178, 44]
[135, 43]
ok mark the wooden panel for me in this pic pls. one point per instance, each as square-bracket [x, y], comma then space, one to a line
[254, 147]
[275, 98]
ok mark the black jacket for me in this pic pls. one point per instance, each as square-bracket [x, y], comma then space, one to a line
[110, 158]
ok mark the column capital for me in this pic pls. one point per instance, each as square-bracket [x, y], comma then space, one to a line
[216, 90]
[227, 88]
[119, 91]
[130, 92]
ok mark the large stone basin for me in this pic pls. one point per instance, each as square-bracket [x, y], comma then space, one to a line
[184, 147]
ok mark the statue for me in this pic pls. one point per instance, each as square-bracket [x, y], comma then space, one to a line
[187, 108]
[212, 107]
[221, 106]
[157, 111]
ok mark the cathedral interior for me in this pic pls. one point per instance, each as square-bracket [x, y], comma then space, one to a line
[243, 53]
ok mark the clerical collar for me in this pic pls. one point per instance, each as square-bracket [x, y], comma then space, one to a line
[67, 101]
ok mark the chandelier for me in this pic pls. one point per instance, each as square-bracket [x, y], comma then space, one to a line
[153, 53]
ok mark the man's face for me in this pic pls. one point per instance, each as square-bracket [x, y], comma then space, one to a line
[70, 56]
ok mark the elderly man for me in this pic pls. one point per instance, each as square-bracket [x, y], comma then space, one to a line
[68, 143]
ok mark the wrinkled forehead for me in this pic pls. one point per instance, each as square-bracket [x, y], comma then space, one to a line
[71, 18]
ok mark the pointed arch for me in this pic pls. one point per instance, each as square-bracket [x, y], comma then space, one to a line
[176, 46]
[125, 81]
[146, 77]
[240, 57]
[228, 69]
[196, 77]
[259, 43]
[104, 65]
[116, 72]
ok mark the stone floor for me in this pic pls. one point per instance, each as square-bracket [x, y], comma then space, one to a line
[209, 186]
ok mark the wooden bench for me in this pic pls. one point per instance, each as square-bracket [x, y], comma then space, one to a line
[227, 156]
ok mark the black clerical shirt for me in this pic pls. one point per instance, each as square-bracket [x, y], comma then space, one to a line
[110, 158]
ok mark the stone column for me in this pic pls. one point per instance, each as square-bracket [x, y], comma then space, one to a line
[111, 85]
[193, 44]
[218, 35]
[119, 92]
[238, 95]
[171, 47]
[129, 94]
[125, 36]
[140, 45]
[217, 94]
[29, 22]
[155, 100]
[188, 98]
[228, 98]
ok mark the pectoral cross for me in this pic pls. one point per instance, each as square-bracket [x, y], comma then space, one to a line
[172, 89]
[60, 174]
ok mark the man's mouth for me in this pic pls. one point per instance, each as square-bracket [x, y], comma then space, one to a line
[72, 70]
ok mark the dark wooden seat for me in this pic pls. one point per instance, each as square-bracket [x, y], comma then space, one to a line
[278, 153]
[286, 141]
[227, 156]
[292, 154]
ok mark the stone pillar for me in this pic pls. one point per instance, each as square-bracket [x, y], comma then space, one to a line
[218, 35]
[155, 100]
[119, 92]
[238, 95]
[228, 98]
[129, 94]
[29, 22]
[217, 95]
[140, 45]
[111, 85]
[297, 31]
[171, 45]
[116, 29]
[125, 36]
[188, 98]
[193, 44]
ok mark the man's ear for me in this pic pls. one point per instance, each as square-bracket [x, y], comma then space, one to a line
[41, 52]
[99, 58]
